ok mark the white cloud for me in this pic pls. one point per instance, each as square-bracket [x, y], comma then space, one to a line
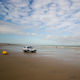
[68, 39]
[77, 15]
[9, 28]
[48, 37]
[76, 4]
[34, 34]
[41, 27]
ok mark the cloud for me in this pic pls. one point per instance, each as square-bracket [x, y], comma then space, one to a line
[68, 39]
[9, 28]
[34, 34]
[49, 12]
[48, 37]
[15, 10]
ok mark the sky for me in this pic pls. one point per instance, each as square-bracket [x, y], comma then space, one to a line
[40, 22]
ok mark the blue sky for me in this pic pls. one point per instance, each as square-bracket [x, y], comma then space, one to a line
[40, 22]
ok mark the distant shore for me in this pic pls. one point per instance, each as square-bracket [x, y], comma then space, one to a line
[7, 44]
[52, 46]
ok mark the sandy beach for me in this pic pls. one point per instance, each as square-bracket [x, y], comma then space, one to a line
[23, 66]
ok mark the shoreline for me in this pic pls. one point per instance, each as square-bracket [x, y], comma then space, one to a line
[15, 66]
[50, 46]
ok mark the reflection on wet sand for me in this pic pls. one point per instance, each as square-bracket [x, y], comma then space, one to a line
[45, 64]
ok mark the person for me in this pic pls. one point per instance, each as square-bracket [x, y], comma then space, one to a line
[30, 46]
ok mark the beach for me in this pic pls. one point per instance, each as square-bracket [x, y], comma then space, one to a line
[45, 64]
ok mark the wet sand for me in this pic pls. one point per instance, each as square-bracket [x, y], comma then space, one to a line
[15, 66]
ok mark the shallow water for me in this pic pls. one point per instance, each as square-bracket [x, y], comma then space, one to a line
[66, 54]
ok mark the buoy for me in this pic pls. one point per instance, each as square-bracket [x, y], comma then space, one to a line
[5, 52]
[75, 49]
